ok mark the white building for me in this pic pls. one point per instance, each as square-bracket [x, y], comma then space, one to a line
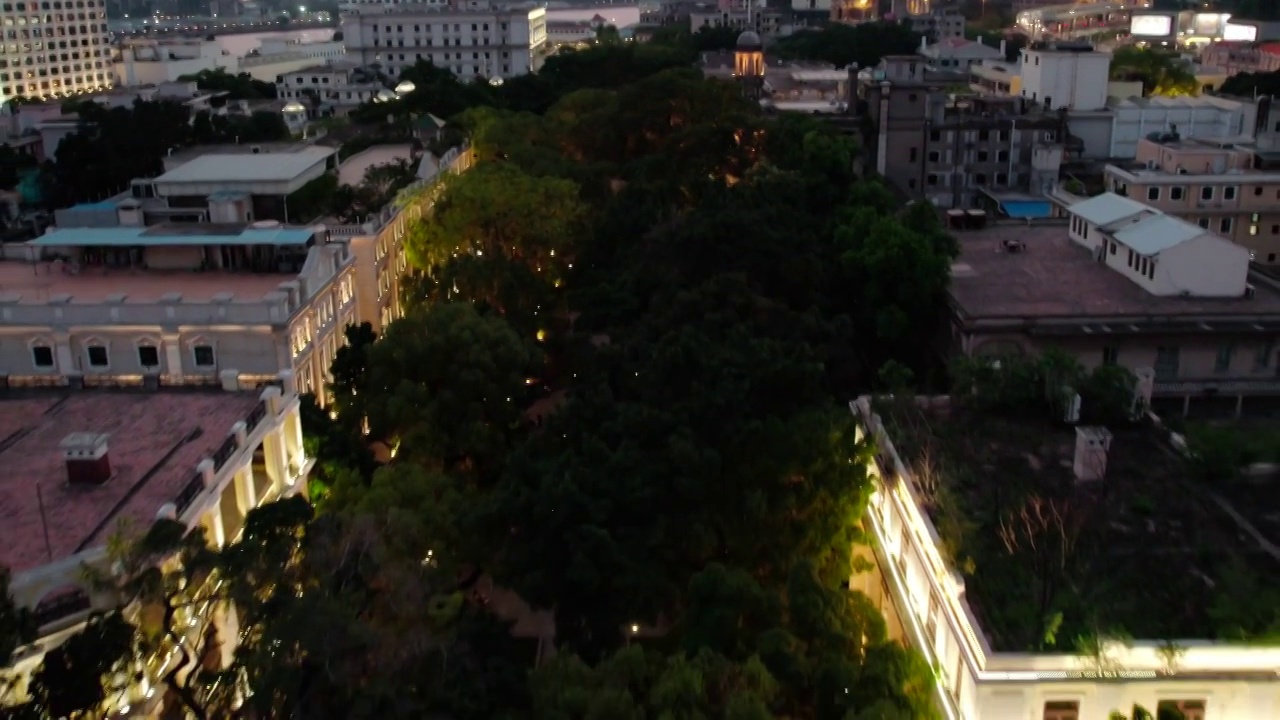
[53, 48]
[107, 460]
[333, 85]
[1202, 117]
[1066, 76]
[149, 61]
[473, 39]
[957, 53]
[1163, 254]
[1205, 680]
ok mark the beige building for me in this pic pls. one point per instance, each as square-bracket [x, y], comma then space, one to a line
[1211, 183]
[1121, 283]
[191, 303]
[84, 466]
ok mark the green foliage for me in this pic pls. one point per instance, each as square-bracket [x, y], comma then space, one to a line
[843, 45]
[1162, 73]
[238, 87]
[77, 676]
[12, 166]
[1244, 607]
[1021, 385]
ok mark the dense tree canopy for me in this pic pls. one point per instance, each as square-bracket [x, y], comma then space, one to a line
[617, 395]
[843, 45]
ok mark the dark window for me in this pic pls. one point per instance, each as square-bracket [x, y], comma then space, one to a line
[935, 135]
[98, 356]
[203, 355]
[42, 356]
[1110, 355]
[148, 356]
[913, 154]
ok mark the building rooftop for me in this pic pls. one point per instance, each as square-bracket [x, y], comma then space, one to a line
[247, 166]
[1058, 281]
[175, 234]
[999, 486]
[155, 440]
[1151, 235]
[38, 283]
[1108, 208]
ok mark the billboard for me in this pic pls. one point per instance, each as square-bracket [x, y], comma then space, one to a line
[1245, 33]
[1151, 26]
[1208, 24]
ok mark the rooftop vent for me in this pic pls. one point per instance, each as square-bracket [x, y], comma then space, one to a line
[86, 456]
[1092, 445]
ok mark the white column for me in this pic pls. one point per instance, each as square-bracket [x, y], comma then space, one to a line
[245, 499]
[215, 522]
[173, 354]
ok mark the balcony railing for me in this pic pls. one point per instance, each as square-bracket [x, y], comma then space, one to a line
[224, 452]
[189, 492]
[196, 485]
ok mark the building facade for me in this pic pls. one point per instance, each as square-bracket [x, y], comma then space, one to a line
[954, 150]
[1209, 183]
[1122, 283]
[54, 48]
[472, 38]
[333, 85]
[88, 447]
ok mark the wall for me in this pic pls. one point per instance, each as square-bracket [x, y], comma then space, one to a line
[1074, 80]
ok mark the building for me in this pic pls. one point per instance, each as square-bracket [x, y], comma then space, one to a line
[957, 53]
[54, 49]
[1123, 283]
[955, 150]
[1211, 183]
[1123, 499]
[937, 25]
[473, 38]
[1238, 57]
[87, 465]
[331, 86]
[1076, 21]
[1065, 75]
[152, 61]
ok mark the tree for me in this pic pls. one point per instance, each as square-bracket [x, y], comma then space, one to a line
[80, 674]
[1161, 72]
[448, 388]
[241, 86]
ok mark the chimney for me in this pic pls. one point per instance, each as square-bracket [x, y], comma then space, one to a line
[86, 456]
[1092, 445]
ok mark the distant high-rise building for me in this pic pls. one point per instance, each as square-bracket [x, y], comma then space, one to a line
[53, 48]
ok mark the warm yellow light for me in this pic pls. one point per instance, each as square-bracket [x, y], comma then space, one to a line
[542, 335]
[635, 629]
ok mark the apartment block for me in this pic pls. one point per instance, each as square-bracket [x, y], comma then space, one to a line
[472, 38]
[53, 48]
[955, 150]
[332, 85]
[85, 466]
[1211, 183]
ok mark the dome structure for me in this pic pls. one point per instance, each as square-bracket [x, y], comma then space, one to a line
[405, 88]
[294, 107]
[749, 40]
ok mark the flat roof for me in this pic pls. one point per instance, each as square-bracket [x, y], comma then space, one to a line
[174, 234]
[37, 283]
[1057, 279]
[247, 166]
[1148, 517]
[1158, 233]
[155, 441]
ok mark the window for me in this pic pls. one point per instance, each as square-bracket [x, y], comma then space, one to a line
[1222, 362]
[931, 180]
[1257, 192]
[912, 97]
[1002, 180]
[1062, 710]
[912, 155]
[203, 355]
[1002, 156]
[42, 356]
[1253, 230]
[97, 355]
[1206, 193]
[149, 356]
[1224, 225]
[1110, 355]
[935, 156]
[935, 136]
[1262, 360]
[1153, 193]
[1166, 365]
[1271, 257]
[1184, 709]
[911, 184]
[1203, 222]
[1114, 247]
[1229, 192]
[982, 156]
